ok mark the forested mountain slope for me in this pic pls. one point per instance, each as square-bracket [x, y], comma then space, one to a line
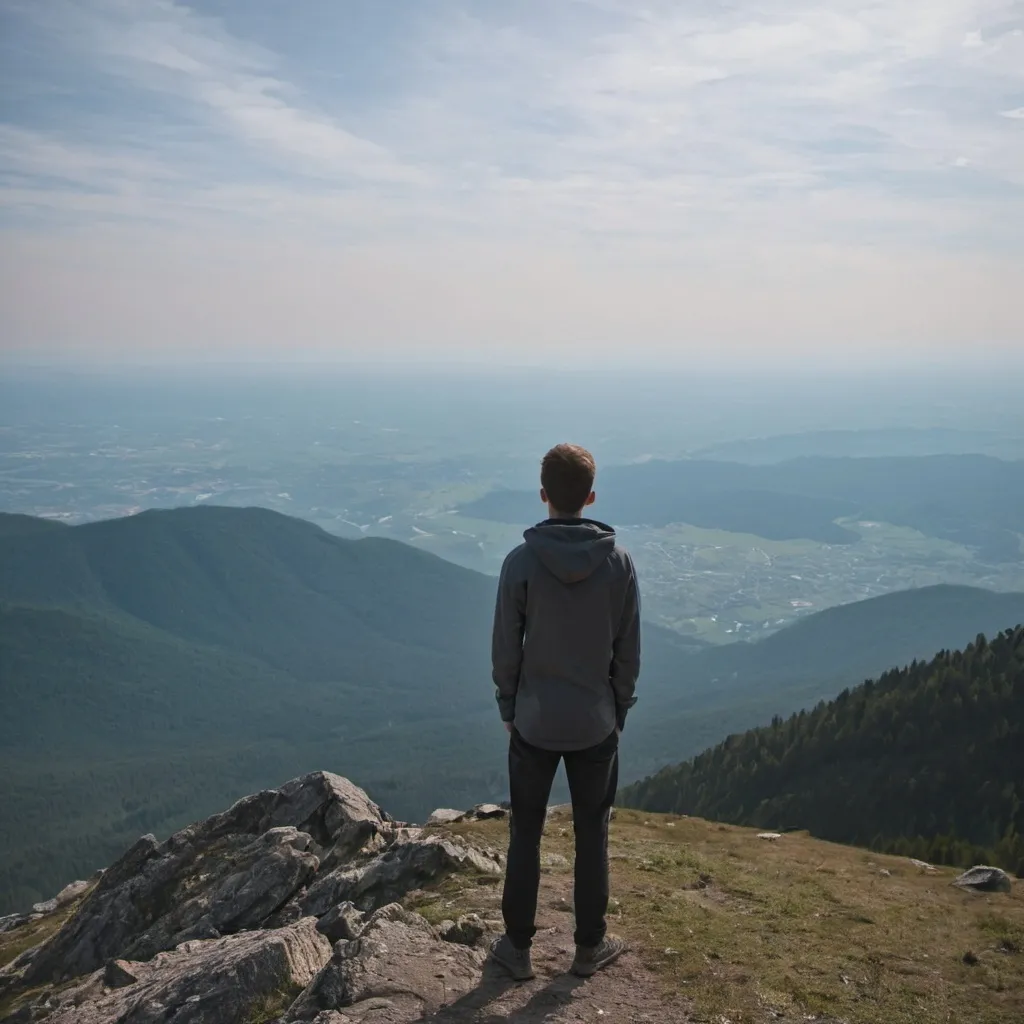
[927, 759]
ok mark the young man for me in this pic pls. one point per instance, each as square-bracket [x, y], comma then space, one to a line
[566, 655]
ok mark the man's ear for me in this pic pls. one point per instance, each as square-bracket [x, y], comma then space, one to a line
[543, 496]
[591, 498]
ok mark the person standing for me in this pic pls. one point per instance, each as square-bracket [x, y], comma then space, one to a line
[565, 658]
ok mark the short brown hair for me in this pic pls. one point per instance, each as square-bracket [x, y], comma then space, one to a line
[567, 476]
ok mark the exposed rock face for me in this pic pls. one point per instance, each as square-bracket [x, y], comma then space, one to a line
[397, 965]
[233, 919]
[984, 879]
[406, 866]
[213, 878]
[221, 980]
[345, 921]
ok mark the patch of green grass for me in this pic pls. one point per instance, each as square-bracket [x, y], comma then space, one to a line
[747, 929]
[271, 1006]
[16, 942]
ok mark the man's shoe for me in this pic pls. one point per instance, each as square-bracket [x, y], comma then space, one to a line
[516, 961]
[590, 959]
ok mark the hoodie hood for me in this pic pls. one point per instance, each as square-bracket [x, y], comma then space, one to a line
[571, 549]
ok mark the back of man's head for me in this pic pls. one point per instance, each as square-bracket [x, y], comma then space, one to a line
[567, 476]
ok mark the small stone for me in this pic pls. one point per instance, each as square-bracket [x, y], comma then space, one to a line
[770, 836]
[466, 931]
[554, 860]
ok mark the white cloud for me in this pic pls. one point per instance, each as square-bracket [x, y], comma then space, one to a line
[640, 140]
[166, 47]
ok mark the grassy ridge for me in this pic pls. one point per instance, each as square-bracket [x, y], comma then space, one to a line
[748, 931]
[926, 755]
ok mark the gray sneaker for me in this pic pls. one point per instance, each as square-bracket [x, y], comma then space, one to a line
[516, 961]
[589, 960]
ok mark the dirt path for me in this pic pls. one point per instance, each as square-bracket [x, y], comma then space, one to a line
[624, 993]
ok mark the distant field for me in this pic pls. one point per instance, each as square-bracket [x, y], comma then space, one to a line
[721, 586]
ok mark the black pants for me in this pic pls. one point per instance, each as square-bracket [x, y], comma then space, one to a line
[593, 778]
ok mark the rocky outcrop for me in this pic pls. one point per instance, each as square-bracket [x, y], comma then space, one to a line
[283, 907]
[224, 980]
[213, 878]
[408, 865]
[397, 965]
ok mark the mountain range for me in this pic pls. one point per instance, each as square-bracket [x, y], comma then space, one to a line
[157, 666]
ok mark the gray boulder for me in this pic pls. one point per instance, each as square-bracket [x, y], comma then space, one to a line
[983, 878]
[397, 970]
[484, 811]
[234, 893]
[218, 876]
[405, 866]
[344, 921]
[67, 895]
[445, 816]
[221, 980]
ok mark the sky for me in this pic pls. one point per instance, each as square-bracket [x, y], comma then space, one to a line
[609, 182]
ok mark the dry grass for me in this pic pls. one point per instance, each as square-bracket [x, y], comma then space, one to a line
[798, 929]
[29, 935]
[14, 943]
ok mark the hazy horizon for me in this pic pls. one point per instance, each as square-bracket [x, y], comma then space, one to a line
[827, 185]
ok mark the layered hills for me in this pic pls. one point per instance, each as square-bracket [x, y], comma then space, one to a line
[156, 667]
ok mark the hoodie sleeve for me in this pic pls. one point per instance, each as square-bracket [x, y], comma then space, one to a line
[507, 638]
[625, 665]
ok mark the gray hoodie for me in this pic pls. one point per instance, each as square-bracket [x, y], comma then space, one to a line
[566, 644]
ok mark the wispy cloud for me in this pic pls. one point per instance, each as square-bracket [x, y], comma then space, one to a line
[653, 135]
[168, 48]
